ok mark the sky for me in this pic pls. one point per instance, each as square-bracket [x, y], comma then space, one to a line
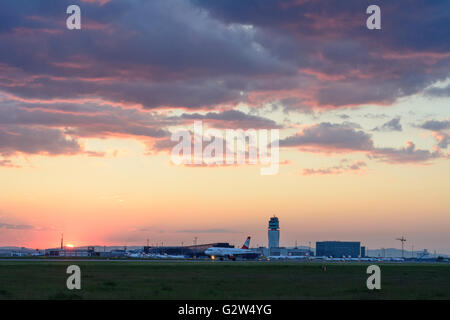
[87, 116]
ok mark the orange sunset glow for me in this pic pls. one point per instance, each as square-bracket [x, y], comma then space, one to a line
[88, 117]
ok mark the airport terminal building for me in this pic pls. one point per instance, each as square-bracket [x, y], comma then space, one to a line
[339, 249]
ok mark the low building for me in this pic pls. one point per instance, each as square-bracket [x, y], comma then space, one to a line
[19, 254]
[363, 252]
[68, 252]
[298, 252]
[282, 251]
[338, 249]
[111, 254]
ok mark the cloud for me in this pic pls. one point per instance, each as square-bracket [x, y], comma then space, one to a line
[392, 125]
[206, 54]
[233, 119]
[438, 92]
[149, 229]
[443, 139]
[350, 67]
[436, 125]
[134, 61]
[329, 137]
[343, 167]
[326, 137]
[8, 164]
[15, 226]
[441, 131]
[137, 63]
[36, 141]
[408, 154]
[54, 127]
[86, 120]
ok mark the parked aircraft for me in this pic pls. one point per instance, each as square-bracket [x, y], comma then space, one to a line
[230, 253]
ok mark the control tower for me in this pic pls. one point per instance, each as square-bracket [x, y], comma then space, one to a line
[274, 233]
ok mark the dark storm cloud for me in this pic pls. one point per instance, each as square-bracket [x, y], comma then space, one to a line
[409, 24]
[330, 39]
[157, 53]
[201, 54]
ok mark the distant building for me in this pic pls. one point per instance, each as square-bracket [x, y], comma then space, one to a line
[363, 252]
[274, 233]
[67, 253]
[298, 252]
[19, 254]
[338, 249]
[71, 252]
[283, 251]
[276, 251]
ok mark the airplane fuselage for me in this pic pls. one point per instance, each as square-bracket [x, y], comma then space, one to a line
[224, 252]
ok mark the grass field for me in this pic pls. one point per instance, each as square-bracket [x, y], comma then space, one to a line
[220, 280]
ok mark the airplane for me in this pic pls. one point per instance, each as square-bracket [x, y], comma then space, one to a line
[318, 258]
[142, 255]
[391, 259]
[135, 255]
[138, 254]
[167, 256]
[230, 253]
[277, 257]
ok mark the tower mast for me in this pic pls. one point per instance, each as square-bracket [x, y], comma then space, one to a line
[403, 240]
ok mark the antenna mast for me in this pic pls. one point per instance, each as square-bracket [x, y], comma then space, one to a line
[403, 240]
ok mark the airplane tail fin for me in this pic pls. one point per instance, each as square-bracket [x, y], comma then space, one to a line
[246, 244]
